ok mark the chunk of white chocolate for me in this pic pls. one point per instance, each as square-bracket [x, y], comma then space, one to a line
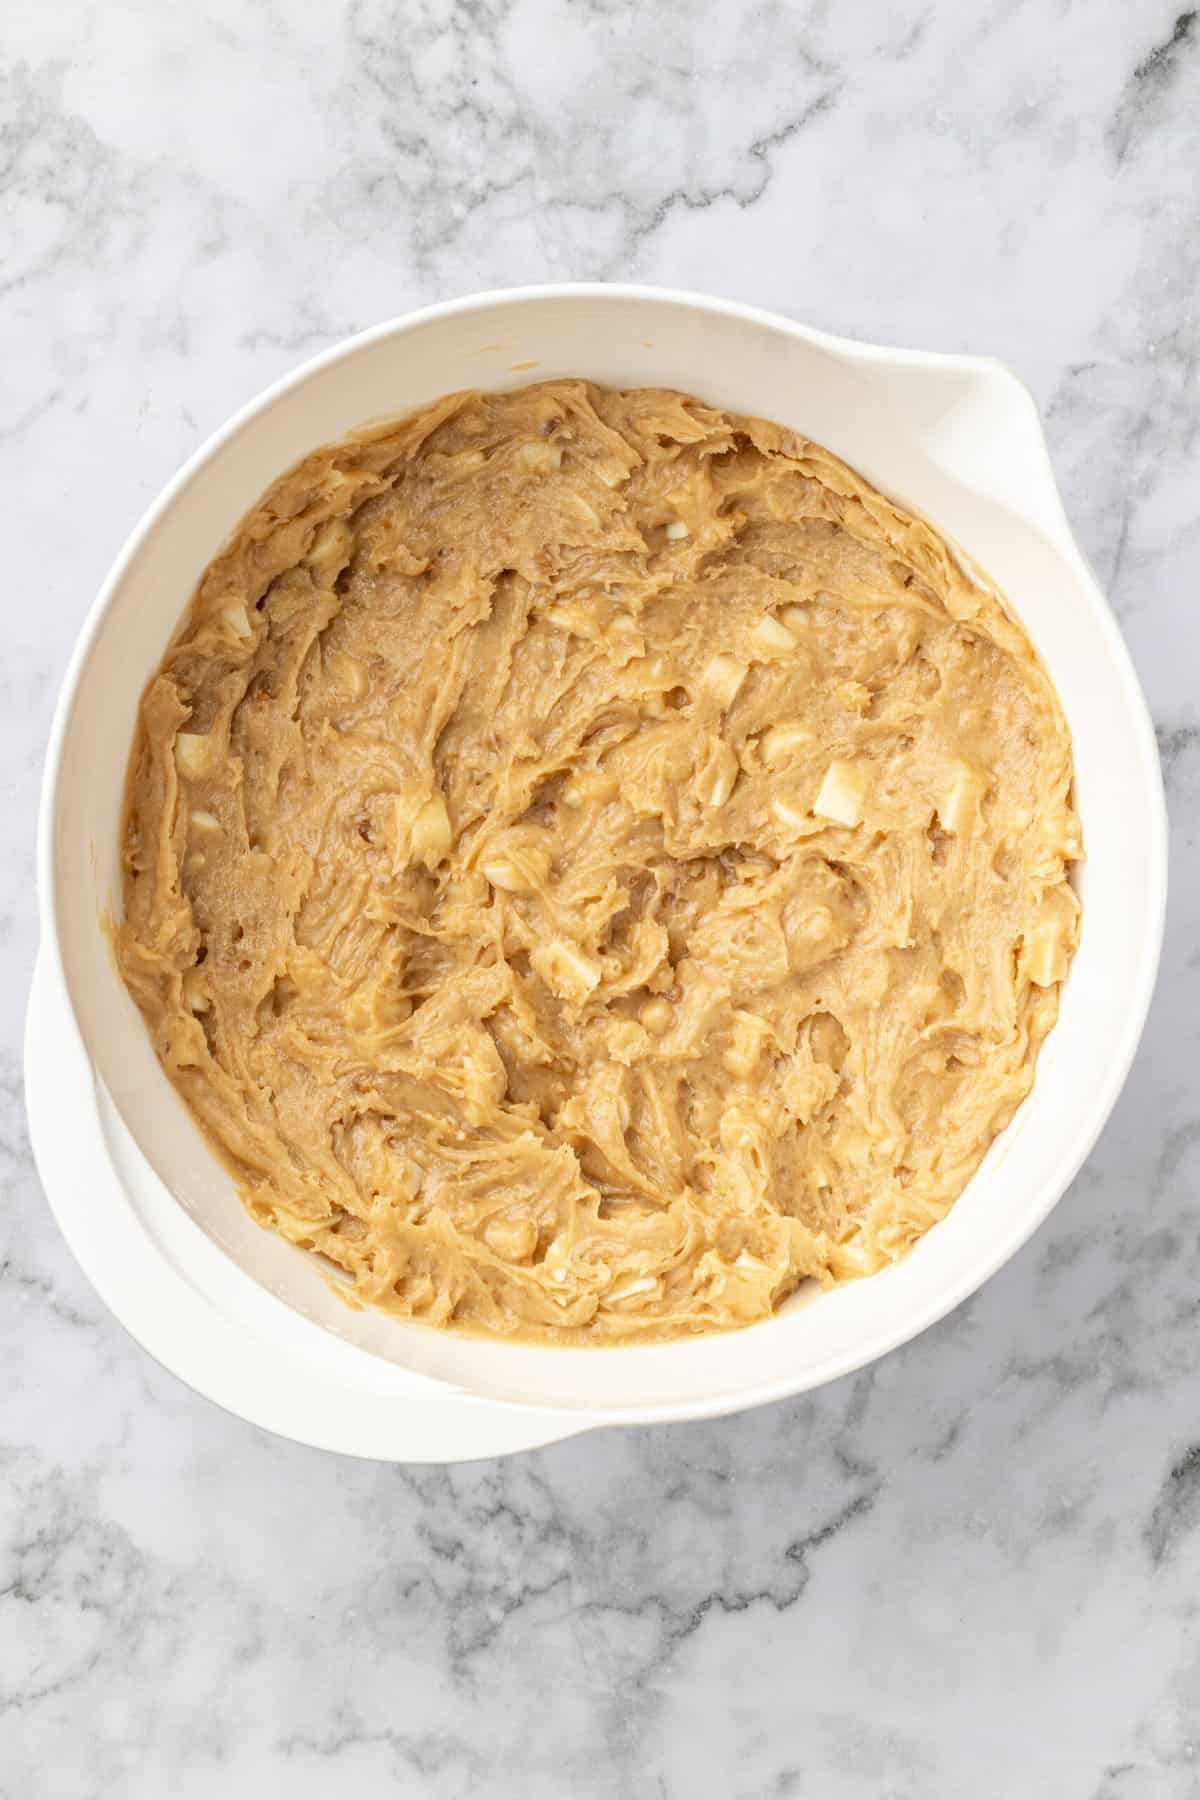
[722, 677]
[628, 1287]
[781, 742]
[745, 1045]
[841, 795]
[566, 970]
[514, 1240]
[589, 787]
[193, 753]
[771, 637]
[518, 870]
[657, 1015]
[1044, 956]
[431, 835]
[958, 810]
[788, 814]
[329, 551]
[715, 780]
[540, 456]
[195, 998]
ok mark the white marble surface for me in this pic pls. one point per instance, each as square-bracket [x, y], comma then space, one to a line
[973, 1570]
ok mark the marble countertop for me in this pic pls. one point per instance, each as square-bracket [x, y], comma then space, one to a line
[975, 1568]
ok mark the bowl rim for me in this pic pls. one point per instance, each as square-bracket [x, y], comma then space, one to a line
[1006, 1242]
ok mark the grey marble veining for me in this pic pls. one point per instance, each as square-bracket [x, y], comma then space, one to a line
[972, 1570]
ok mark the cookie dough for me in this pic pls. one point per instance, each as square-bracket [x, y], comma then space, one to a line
[593, 863]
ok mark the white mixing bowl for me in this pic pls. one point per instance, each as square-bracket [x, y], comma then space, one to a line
[155, 1220]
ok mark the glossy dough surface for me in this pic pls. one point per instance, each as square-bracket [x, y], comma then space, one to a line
[593, 863]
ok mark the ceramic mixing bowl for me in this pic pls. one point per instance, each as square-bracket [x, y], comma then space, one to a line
[153, 1217]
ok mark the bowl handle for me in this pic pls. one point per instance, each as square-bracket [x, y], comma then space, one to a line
[979, 427]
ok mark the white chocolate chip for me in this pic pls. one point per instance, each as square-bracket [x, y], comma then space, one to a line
[517, 871]
[793, 817]
[431, 833]
[771, 638]
[329, 551]
[959, 808]
[540, 456]
[513, 1239]
[504, 875]
[715, 781]
[204, 821]
[779, 742]
[677, 530]
[195, 998]
[192, 754]
[746, 1043]
[1044, 956]
[841, 795]
[629, 1287]
[656, 1015]
[566, 970]
[723, 676]
[238, 623]
[589, 785]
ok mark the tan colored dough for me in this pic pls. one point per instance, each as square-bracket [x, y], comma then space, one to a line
[592, 863]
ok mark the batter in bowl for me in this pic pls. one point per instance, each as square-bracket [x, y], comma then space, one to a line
[593, 863]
